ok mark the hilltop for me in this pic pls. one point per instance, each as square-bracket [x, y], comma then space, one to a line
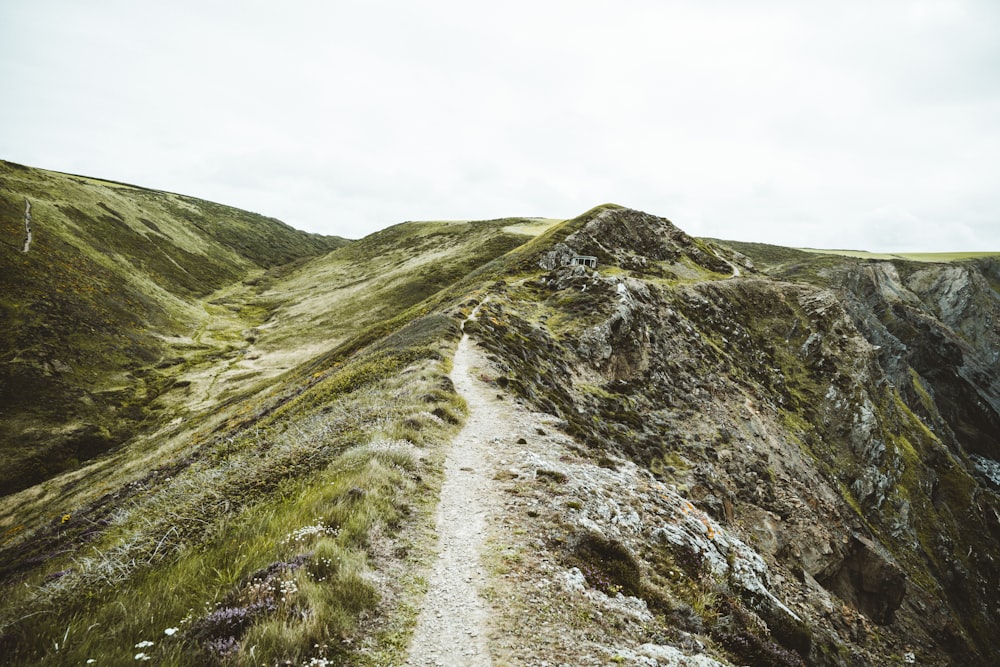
[698, 452]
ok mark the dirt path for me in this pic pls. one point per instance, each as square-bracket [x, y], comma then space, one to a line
[27, 225]
[736, 270]
[452, 626]
[516, 488]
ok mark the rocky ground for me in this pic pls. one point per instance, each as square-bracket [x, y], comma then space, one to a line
[738, 467]
[534, 542]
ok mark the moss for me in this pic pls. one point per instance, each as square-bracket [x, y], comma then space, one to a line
[926, 401]
[934, 486]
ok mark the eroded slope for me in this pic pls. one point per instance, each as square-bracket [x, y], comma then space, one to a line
[778, 409]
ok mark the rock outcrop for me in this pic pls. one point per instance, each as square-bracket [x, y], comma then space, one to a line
[843, 424]
[868, 578]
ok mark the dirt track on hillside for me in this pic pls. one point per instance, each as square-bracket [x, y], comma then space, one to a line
[452, 626]
[502, 504]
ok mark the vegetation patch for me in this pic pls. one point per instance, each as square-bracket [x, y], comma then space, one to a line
[267, 544]
[112, 271]
[607, 565]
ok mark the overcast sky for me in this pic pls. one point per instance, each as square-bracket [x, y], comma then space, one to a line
[871, 125]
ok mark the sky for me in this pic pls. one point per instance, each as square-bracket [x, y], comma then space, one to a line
[828, 124]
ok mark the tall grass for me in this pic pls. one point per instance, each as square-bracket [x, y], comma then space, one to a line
[274, 543]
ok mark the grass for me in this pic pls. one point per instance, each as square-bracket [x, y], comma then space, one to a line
[303, 504]
[810, 264]
[327, 301]
[220, 304]
[113, 270]
[771, 255]
[533, 226]
[942, 257]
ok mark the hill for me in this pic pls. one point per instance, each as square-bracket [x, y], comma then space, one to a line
[113, 286]
[699, 451]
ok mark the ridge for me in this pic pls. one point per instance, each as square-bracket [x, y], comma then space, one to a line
[698, 451]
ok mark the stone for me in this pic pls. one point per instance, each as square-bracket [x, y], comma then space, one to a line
[869, 579]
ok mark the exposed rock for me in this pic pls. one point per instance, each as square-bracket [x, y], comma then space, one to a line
[868, 578]
[27, 226]
[560, 256]
[656, 655]
[819, 430]
[988, 467]
[636, 241]
[938, 334]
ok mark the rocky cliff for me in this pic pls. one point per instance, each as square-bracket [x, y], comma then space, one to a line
[841, 418]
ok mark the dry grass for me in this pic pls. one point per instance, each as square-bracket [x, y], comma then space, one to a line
[533, 226]
[306, 501]
[284, 512]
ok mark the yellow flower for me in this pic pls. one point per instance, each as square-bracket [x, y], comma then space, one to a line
[66, 517]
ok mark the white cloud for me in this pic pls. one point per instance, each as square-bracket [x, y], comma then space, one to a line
[777, 121]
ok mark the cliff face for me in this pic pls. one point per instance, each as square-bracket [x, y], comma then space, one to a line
[845, 426]
[937, 329]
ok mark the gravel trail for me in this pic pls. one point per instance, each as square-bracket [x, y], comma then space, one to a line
[452, 625]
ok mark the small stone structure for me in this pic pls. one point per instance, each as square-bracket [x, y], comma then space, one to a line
[584, 260]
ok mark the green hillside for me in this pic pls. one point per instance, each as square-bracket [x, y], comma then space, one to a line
[112, 277]
[278, 390]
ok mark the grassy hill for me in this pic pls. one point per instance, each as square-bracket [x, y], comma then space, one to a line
[776, 258]
[260, 398]
[113, 276]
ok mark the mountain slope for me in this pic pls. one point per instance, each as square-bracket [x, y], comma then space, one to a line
[111, 272]
[308, 381]
[781, 464]
[844, 424]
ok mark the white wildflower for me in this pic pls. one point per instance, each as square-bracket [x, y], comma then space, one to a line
[170, 631]
[141, 656]
[302, 534]
[144, 644]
